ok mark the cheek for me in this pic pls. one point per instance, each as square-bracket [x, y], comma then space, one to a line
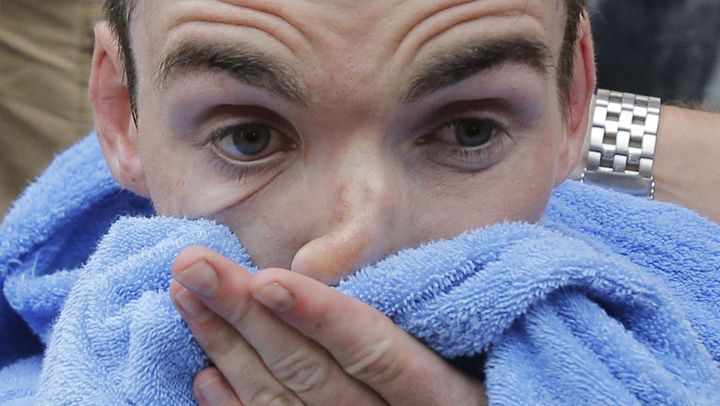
[480, 202]
[527, 194]
[527, 188]
[184, 181]
[271, 226]
[274, 226]
[175, 182]
[516, 189]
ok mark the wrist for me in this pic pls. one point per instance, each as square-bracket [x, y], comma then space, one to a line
[685, 171]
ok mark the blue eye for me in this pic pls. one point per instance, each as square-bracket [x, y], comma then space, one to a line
[473, 133]
[250, 141]
[469, 133]
[467, 144]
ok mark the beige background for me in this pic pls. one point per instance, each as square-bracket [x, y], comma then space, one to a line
[45, 53]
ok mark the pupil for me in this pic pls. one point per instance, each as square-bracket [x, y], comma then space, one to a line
[473, 134]
[252, 140]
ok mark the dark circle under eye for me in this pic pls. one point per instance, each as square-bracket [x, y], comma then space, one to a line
[251, 139]
[473, 133]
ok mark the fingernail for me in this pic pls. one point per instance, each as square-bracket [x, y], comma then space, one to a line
[275, 297]
[214, 392]
[199, 277]
[191, 305]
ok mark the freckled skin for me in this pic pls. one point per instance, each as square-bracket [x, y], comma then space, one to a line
[357, 187]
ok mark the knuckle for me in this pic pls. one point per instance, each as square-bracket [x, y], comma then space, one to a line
[303, 371]
[374, 364]
[272, 397]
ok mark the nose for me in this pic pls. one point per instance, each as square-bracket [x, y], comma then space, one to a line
[364, 225]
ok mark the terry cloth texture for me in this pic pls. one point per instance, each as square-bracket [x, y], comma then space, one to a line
[50, 232]
[610, 300]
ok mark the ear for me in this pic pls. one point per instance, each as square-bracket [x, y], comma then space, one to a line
[110, 100]
[582, 88]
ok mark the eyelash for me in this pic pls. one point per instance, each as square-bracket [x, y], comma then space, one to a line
[480, 155]
[223, 165]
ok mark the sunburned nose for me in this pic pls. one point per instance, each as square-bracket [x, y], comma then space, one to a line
[362, 231]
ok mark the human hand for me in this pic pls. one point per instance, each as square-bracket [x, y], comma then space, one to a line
[282, 338]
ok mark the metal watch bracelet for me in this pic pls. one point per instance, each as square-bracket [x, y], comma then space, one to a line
[622, 142]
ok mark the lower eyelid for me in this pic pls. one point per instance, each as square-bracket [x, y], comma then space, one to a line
[241, 170]
[229, 170]
[479, 149]
[476, 158]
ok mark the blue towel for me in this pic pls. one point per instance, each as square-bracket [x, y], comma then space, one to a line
[50, 231]
[609, 300]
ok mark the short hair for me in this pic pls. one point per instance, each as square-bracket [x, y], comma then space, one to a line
[119, 13]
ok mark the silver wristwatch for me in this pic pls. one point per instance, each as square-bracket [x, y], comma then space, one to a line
[622, 142]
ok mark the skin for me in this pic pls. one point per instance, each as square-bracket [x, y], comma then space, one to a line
[691, 135]
[360, 173]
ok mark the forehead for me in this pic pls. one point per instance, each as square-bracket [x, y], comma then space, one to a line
[343, 42]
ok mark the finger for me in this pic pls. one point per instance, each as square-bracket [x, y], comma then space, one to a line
[211, 389]
[365, 343]
[297, 362]
[243, 369]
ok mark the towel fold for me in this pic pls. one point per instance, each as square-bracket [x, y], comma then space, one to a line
[609, 300]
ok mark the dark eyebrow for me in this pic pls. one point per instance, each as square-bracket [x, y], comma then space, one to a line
[251, 67]
[456, 65]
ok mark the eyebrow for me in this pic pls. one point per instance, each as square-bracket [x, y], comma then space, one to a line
[253, 68]
[465, 61]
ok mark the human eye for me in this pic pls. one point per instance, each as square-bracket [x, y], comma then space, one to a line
[467, 143]
[246, 143]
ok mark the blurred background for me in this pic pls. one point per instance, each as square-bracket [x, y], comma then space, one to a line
[665, 48]
[45, 52]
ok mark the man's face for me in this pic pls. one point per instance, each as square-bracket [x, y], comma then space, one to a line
[330, 134]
